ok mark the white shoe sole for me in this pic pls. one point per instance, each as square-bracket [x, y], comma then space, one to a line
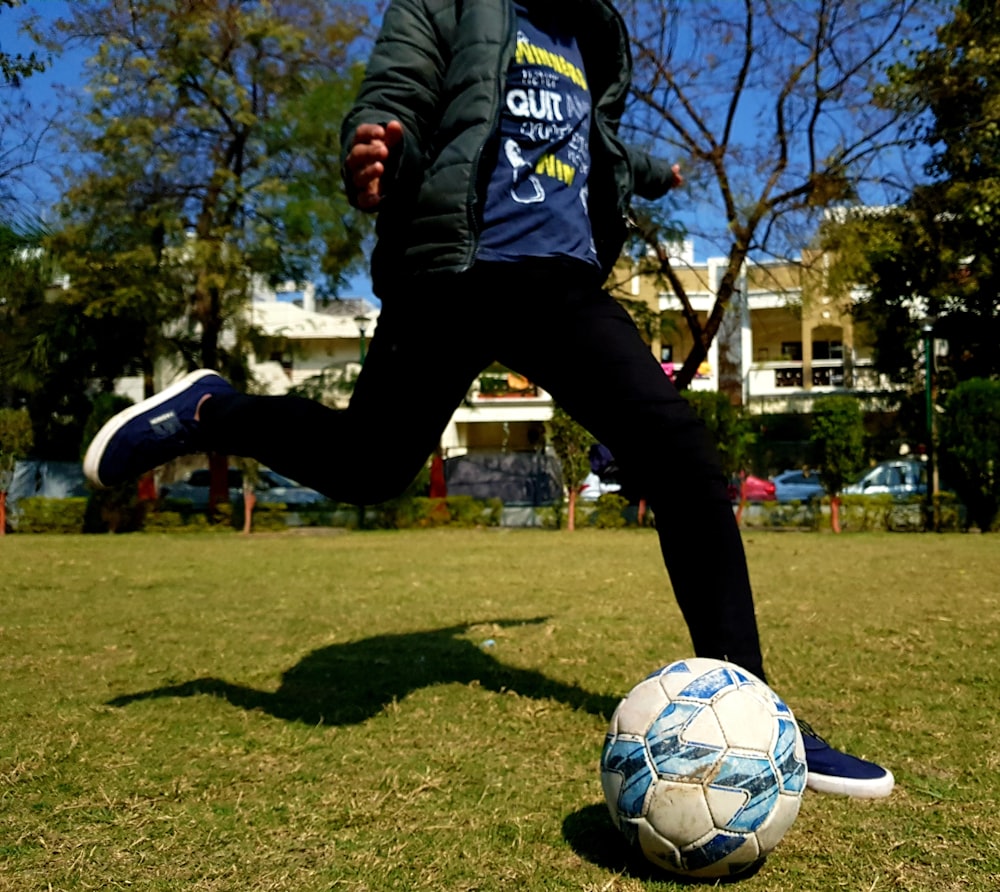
[878, 788]
[95, 451]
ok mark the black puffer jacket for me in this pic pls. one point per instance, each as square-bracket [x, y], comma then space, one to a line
[439, 67]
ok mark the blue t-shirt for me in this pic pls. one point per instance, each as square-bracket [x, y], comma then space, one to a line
[536, 201]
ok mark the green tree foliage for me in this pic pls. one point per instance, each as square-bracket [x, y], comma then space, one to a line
[970, 448]
[571, 442]
[19, 135]
[49, 354]
[767, 107]
[837, 437]
[729, 426]
[204, 161]
[936, 255]
[16, 440]
[14, 68]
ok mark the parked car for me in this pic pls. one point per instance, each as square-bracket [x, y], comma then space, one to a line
[276, 488]
[754, 489]
[899, 477]
[271, 487]
[797, 486]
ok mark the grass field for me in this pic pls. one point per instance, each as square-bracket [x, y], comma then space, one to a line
[425, 710]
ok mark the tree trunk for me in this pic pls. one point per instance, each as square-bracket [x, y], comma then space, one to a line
[835, 513]
[249, 502]
[571, 513]
[742, 497]
[3, 512]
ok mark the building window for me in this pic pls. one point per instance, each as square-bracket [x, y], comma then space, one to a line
[791, 350]
[828, 350]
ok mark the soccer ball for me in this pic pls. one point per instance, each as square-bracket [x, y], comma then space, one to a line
[703, 768]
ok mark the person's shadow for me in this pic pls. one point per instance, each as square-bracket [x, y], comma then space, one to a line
[345, 684]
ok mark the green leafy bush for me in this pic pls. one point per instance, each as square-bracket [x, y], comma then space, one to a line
[970, 448]
[608, 513]
[40, 515]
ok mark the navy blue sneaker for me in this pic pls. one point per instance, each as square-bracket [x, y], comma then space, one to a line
[831, 771]
[153, 432]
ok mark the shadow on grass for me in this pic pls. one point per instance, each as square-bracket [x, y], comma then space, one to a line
[592, 835]
[344, 684]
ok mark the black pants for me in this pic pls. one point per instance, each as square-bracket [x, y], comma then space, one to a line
[564, 333]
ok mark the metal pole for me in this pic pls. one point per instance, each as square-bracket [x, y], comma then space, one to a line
[928, 332]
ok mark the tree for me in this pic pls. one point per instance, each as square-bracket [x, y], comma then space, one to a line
[48, 353]
[935, 256]
[196, 170]
[837, 438]
[14, 68]
[730, 428]
[15, 443]
[571, 442]
[19, 138]
[768, 106]
[970, 448]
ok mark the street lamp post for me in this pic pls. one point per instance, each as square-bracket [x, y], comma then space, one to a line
[362, 322]
[928, 334]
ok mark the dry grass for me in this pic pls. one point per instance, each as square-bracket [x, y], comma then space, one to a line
[327, 713]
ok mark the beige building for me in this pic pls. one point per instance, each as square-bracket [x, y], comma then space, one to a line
[785, 339]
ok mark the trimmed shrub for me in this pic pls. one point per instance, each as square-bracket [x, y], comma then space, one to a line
[970, 448]
[40, 515]
[609, 512]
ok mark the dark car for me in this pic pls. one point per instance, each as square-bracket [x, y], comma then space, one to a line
[270, 488]
[797, 486]
[899, 477]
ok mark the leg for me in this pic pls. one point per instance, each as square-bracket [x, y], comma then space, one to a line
[364, 454]
[632, 407]
[370, 451]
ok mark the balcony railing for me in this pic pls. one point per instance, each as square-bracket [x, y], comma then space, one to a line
[501, 386]
[782, 376]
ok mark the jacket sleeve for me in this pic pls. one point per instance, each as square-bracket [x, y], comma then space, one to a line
[653, 177]
[402, 82]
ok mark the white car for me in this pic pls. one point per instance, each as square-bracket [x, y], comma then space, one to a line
[899, 477]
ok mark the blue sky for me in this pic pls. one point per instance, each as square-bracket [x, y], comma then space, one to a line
[46, 89]
[693, 206]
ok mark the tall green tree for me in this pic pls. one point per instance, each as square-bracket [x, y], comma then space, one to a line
[195, 172]
[571, 442]
[935, 258]
[970, 448]
[767, 106]
[19, 134]
[837, 437]
[49, 353]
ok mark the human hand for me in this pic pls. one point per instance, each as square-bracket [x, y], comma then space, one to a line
[678, 179]
[366, 159]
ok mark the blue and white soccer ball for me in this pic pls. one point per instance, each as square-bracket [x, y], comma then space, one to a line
[703, 768]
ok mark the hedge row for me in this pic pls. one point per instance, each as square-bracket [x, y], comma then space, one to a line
[97, 514]
[857, 513]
